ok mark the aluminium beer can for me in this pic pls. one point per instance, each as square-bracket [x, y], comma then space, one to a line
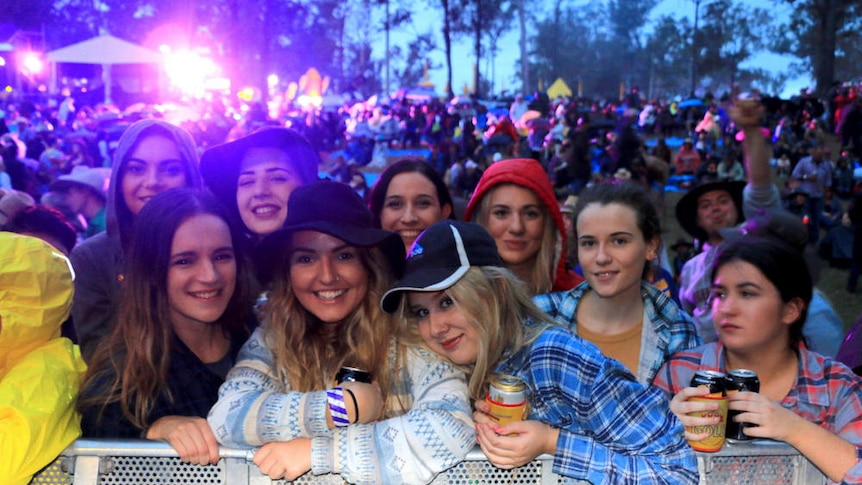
[739, 380]
[507, 398]
[352, 374]
[716, 383]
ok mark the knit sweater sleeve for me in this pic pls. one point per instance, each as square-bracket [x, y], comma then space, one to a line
[255, 407]
[436, 432]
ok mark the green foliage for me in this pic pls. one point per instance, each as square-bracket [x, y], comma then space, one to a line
[827, 35]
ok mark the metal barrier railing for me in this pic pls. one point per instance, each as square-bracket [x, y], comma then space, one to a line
[141, 462]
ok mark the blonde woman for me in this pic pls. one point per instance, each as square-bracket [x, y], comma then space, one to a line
[515, 202]
[328, 268]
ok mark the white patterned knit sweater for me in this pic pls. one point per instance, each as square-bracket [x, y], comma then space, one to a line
[412, 446]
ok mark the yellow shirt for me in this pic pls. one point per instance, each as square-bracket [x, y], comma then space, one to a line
[624, 347]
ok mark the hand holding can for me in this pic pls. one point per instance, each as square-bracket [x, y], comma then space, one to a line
[715, 382]
[507, 399]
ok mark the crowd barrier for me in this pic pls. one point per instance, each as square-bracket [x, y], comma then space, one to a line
[140, 462]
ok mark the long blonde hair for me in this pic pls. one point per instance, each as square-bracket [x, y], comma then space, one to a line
[544, 271]
[308, 353]
[495, 301]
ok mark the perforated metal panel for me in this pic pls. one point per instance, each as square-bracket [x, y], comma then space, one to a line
[94, 462]
[750, 470]
[483, 473]
[142, 470]
[315, 479]
[54, 474]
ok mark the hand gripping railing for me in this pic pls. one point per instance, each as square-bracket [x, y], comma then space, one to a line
[131, 462]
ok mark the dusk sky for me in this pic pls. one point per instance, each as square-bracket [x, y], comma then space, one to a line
[505, 67]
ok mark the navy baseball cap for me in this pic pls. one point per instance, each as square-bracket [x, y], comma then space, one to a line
[441, 256]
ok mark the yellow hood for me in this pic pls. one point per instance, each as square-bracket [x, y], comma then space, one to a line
[35, 295]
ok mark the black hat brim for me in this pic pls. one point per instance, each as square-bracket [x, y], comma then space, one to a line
[271, 253]
[436, 279]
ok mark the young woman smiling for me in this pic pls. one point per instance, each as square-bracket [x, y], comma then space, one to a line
[152, 156]
[255, 175]
[515, 202]
[408, 197]
[619, 235]
[328, 267]
[182, 319]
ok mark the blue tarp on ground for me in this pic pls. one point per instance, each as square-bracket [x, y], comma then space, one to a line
[392, 152]
[673, 142]
[370, 177]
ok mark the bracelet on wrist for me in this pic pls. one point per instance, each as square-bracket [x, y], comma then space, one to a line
[355, 405]
[335, 400]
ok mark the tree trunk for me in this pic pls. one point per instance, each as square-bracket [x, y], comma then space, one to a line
[824, 69]
[477, 48]
[525, 61]
[447, 41]
[555, 51]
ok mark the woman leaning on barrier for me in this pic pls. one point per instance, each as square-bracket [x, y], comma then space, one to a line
[760, 294]
[182, 318]
[585, 409]
[328, 267]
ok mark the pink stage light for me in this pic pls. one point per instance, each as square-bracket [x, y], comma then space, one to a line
[189, 72]
[32, 64]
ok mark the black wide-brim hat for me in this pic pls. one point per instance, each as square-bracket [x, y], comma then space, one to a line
[686, 208]
[220, 164]
[332, 208]
[440, 256]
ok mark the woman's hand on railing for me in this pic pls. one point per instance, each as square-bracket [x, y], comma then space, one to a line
[516, 444]
[682, 406]
[284, 459]
[191, 437]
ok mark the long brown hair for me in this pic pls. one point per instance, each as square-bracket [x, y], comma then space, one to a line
[308, 353]
[544, 270]
[130, 366]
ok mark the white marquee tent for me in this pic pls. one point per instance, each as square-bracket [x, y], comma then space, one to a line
[105, 50]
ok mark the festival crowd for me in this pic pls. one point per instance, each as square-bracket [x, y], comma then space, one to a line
[205, 281]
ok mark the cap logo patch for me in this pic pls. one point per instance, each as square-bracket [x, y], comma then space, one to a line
[416, 250]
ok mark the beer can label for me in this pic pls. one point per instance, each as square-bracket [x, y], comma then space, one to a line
[503, 413]
[715, 440]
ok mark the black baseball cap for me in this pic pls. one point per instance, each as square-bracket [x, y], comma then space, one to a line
[440, 256]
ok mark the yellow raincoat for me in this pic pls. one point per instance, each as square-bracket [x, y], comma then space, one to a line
[40, 371]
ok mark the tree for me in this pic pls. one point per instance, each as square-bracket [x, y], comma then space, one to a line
[826, 33]
[730, 35]
[418, 51]
[579, 46]
[479, 17]
[628, 19]
[451, 20]
[669, 56]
